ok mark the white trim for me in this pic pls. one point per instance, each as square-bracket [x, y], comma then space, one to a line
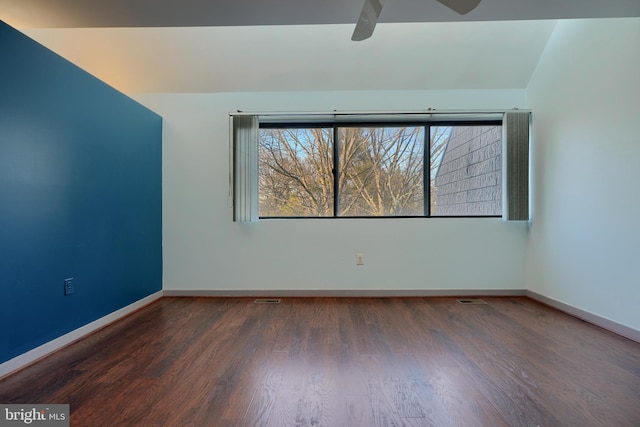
[365, 293]
[32, 356]
[594, 319]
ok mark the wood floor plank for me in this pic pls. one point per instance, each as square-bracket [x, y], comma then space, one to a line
[263, 400]
[434, 395]
[457, 331]
[341, 362]
[532, 366]
[359, 410]
[464, 404]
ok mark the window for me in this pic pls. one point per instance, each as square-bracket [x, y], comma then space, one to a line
[295, 172]
[380, 169]
[467, 171]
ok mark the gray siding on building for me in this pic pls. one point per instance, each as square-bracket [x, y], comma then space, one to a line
[469, 179]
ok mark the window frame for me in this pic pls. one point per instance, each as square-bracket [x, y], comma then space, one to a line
[335, 125]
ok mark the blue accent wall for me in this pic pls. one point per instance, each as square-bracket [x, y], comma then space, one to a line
[80, 196]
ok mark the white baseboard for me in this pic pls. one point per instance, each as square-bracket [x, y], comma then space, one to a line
[594, 319]
[32, 356]
[365, 293]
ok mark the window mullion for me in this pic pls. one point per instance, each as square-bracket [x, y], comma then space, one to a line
[336, 175]
[426, 174]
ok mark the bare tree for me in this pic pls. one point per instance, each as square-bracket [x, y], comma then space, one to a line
[295, 172]
[438, 141]
[381, 170]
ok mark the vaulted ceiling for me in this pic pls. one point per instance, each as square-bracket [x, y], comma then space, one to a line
[259, 45]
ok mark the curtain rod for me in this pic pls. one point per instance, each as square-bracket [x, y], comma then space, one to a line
[372, 112]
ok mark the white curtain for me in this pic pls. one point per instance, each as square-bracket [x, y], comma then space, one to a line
[245, 168]
[515, 166]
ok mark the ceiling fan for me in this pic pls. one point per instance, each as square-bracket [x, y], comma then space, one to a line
[372, 8]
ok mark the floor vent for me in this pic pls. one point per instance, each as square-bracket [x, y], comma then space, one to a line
[267, 301]
[471, 301]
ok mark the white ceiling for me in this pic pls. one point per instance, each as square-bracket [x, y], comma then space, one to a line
[463, 55]
[220, 46]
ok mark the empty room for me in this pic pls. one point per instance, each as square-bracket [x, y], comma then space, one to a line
[330, 213]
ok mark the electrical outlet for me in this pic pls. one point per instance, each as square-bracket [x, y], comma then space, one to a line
[68, 286]
[359, 259]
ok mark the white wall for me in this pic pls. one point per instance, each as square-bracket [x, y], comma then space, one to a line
[205, 250]
[585, 236]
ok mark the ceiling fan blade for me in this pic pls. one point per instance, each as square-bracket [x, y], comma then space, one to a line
[368, 19]
[461, 6]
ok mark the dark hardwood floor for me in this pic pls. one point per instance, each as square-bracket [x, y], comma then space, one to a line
[341, 362]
